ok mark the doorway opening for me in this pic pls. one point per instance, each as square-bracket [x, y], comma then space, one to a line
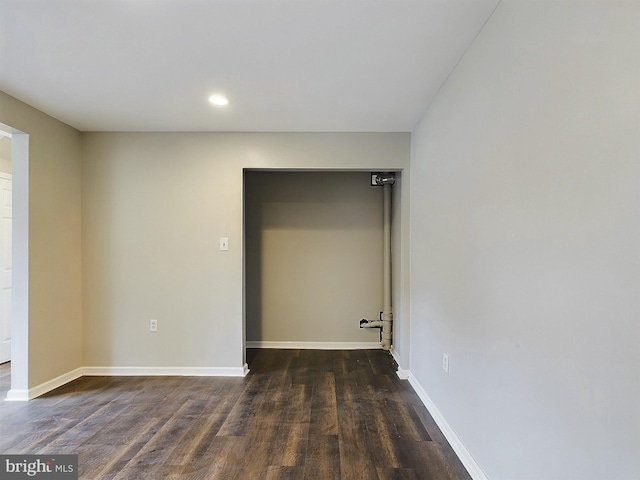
[313, 258]
[5, 247]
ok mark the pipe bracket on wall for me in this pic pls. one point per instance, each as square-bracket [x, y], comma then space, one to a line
[380, 179]
[364, 323]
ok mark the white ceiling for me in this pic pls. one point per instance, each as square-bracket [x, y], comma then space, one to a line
[286, 65]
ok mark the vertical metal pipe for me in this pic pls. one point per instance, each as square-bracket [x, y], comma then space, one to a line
[387, 314]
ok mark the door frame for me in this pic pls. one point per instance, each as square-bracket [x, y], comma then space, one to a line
[20, 264]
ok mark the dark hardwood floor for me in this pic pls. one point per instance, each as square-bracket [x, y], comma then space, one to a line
[299, 414]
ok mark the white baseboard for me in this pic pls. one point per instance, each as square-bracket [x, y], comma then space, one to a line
[315, 345]
[15, 395]
[166, 371]
[403, 373]
[21, 395]
[461, 451]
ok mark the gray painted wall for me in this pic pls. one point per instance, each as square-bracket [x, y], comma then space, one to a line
[525, 243]
[47, 203]
[313, 256]
[154, 208]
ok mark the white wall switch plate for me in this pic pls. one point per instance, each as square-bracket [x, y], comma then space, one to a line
[224, 244]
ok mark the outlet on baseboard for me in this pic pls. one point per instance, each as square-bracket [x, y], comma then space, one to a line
[445, 362]
[153, 325]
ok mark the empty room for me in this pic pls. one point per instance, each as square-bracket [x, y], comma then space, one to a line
[359, 239]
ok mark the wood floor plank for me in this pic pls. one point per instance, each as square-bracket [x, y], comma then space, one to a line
[324, 414]
[381, 435]
[385, 473]
[357, 457]
[284, 473]
[151, 457]
[186, 456]
[246, 407]
[303, 414]
[225, 458]
[323, 458]
[292, 429]
[108, 464]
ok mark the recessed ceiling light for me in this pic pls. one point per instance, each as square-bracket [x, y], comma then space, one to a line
[219, 100]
